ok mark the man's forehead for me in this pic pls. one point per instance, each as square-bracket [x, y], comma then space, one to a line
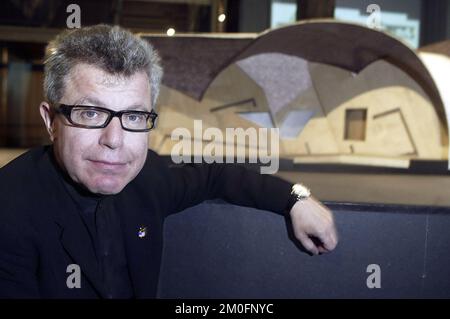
[87, 72]
[85, 82]
[94, 101]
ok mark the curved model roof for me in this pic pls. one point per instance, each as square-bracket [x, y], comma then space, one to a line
[191, 62]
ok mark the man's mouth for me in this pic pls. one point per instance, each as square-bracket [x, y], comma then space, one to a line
[107, 165]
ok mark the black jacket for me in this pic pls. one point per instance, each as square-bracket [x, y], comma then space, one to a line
[41, 232]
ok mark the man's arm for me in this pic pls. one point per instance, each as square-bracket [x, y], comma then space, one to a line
[193, 183]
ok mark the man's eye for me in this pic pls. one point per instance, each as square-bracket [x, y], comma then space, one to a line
[89, 114]
[135, 117]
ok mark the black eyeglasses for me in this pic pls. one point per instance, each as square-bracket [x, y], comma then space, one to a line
[99, 117]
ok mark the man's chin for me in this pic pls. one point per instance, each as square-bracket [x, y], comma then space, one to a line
[106, 188]
[109, 192]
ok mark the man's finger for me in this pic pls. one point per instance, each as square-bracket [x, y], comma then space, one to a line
[329, 241]
[333, 240]
[308, 244]
[323, 250]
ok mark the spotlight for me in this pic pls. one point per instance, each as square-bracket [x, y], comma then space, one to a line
[170, 32]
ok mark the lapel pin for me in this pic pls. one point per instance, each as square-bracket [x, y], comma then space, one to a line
[142, 232]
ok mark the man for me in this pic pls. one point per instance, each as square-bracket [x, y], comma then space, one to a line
[95, 200]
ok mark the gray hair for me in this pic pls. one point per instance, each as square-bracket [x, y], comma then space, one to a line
[111, 48]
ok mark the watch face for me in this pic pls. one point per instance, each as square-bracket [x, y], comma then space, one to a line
[301, 191]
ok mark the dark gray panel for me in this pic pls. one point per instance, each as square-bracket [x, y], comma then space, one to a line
[437, 263]
[218, 250]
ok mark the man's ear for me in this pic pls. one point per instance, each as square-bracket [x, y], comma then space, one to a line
[47, 116]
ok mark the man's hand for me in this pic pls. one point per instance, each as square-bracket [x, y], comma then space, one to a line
[314, 226]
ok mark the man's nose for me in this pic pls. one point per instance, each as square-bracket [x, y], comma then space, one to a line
[112, 135]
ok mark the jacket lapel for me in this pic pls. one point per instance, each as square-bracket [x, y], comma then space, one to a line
[74, 235]
[77, 243]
